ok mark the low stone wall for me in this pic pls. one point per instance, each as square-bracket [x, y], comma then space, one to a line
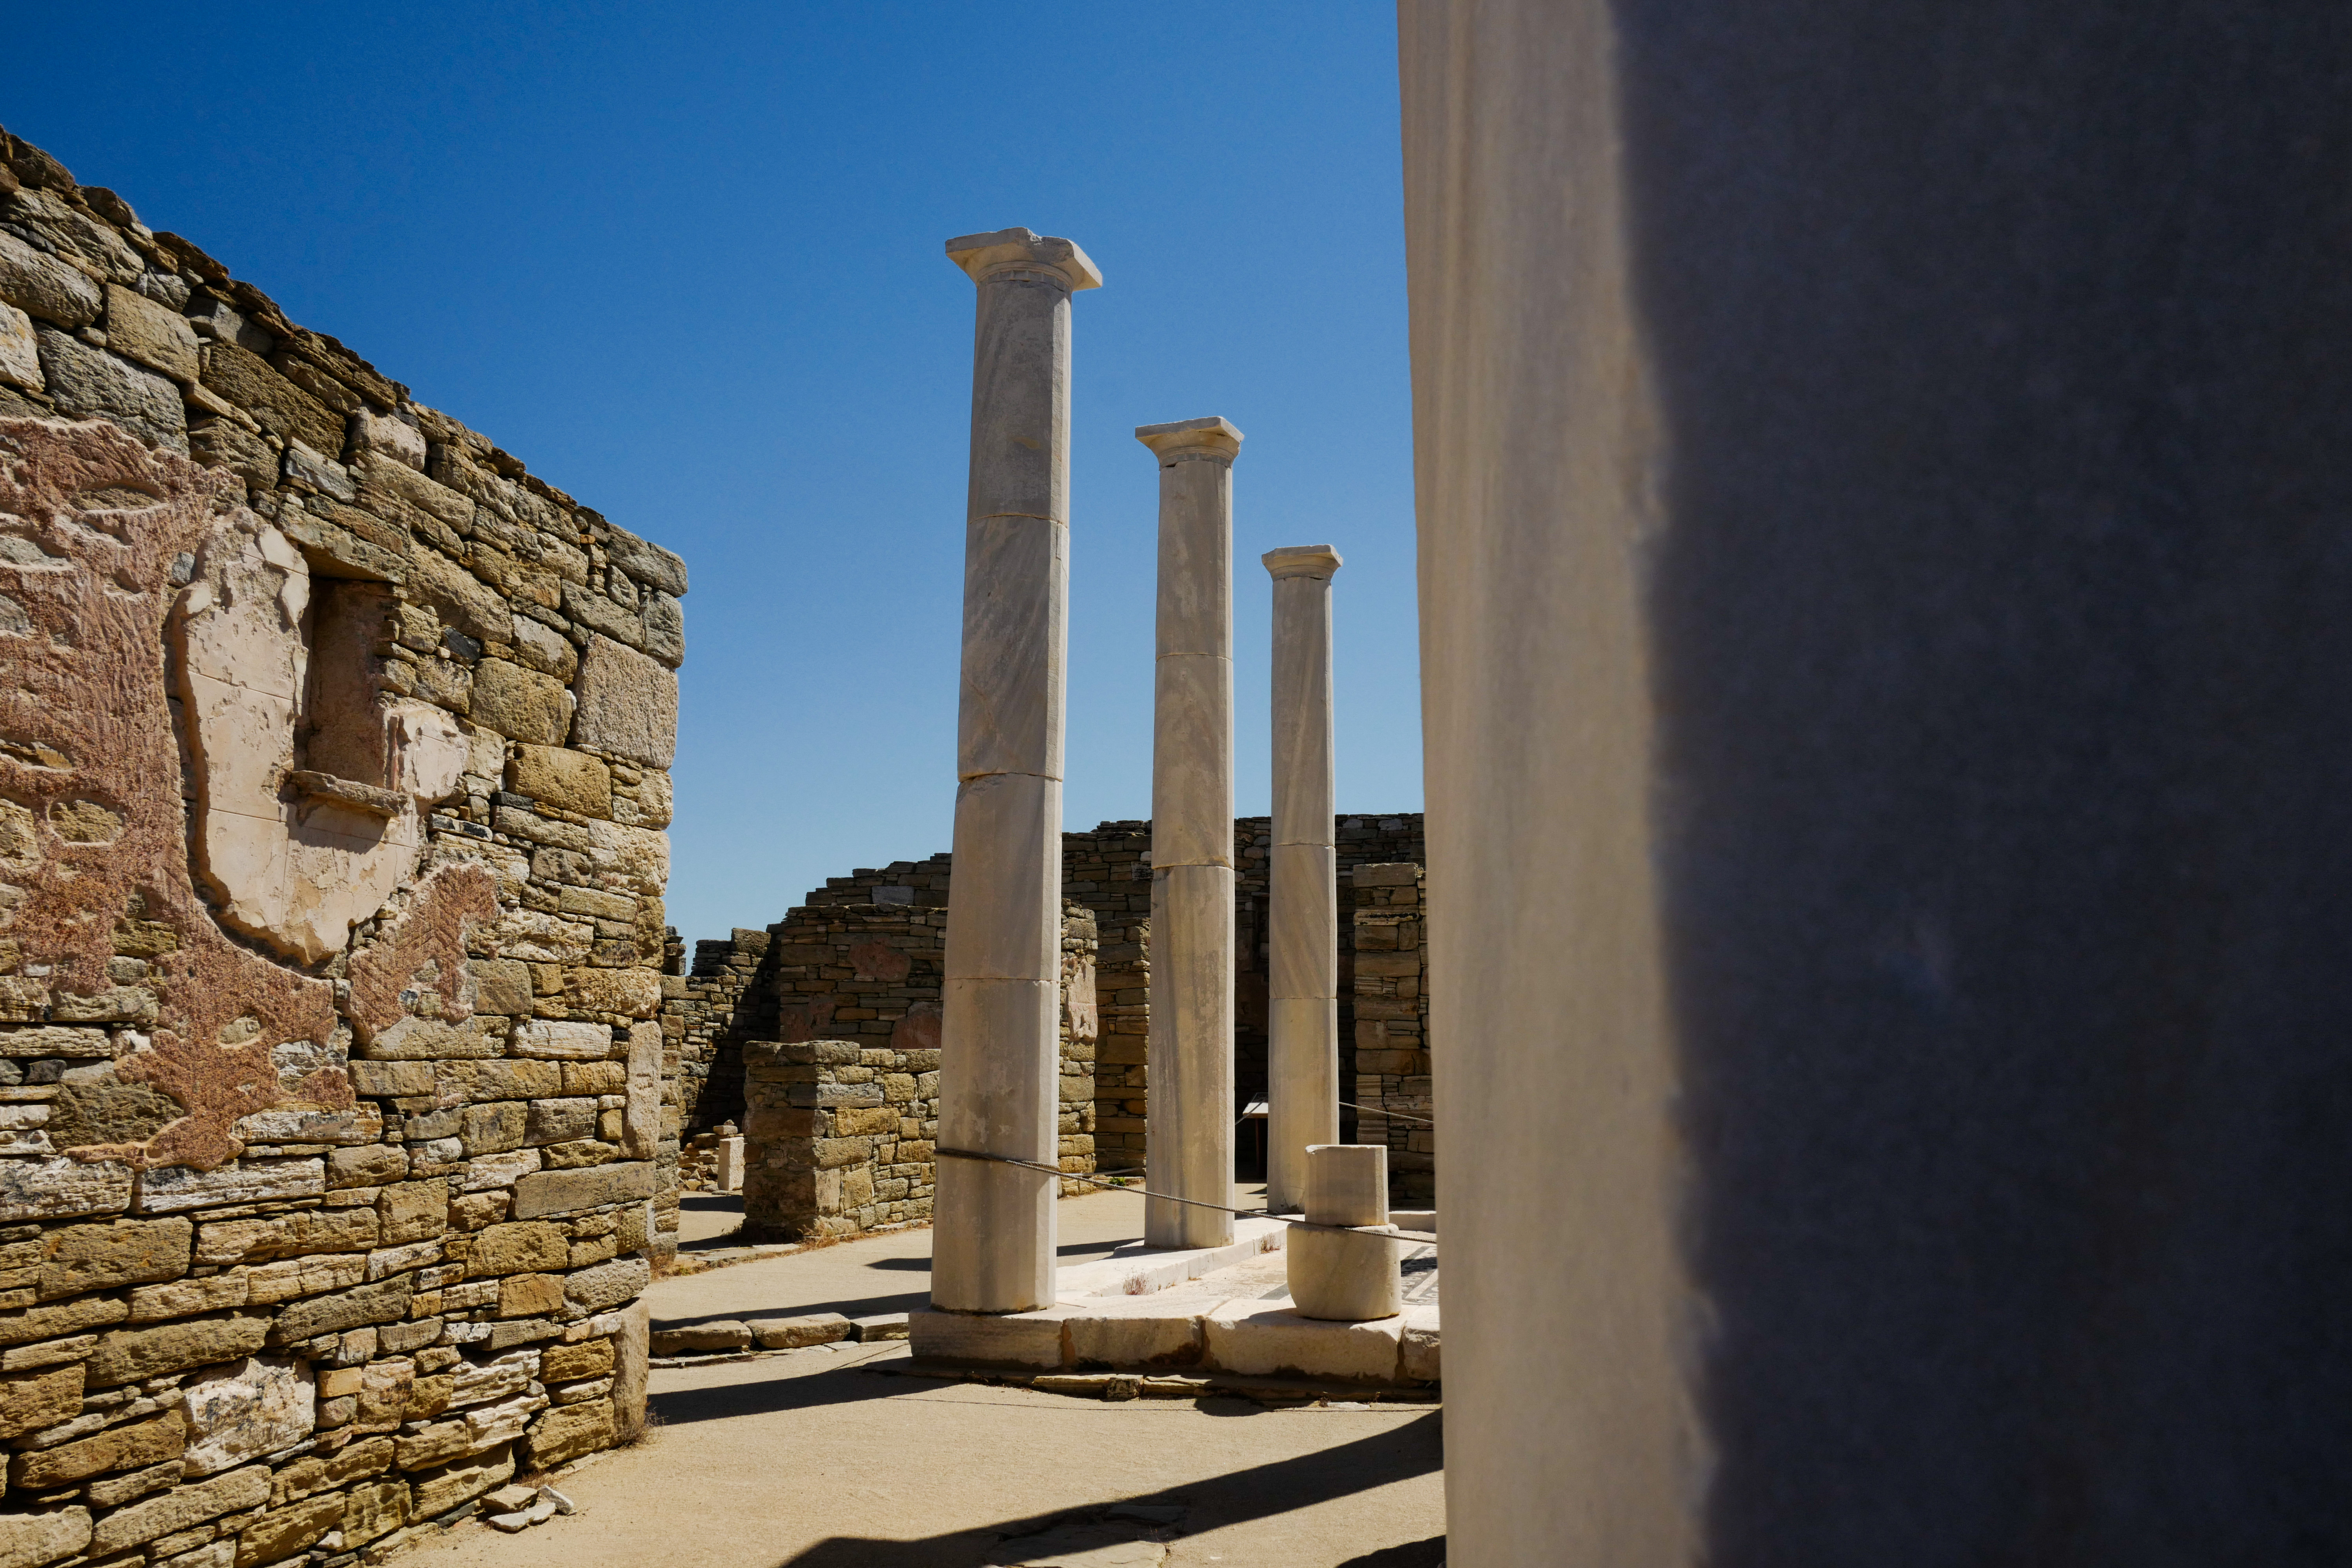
[1391, 1015]
[841, 1113]
[333, 771]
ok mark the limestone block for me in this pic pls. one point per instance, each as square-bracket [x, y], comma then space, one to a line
[1012, 1339]
[665, 629]
[719, 1335]
[364, 1167]
[520, 704]
[570, 1363]
[412, 1211]
[552, 1039]
[286, 1236]
[157, 337]
[641, 1113]
[247, 380]
[608, 1285]
[361, 1124]
[85, 381]
[438, 1492]
[479, 1382]
[421, 1039]
[127, 1355]
[546, 651]
[463, 600]
[630, 1371]
[501, 986]
[492, 1129]
[632, 993]
[182, 1509]
[558, 776]
[730, 1165]
[175, 1187]
[529, 1295]
[568, 1191]
[40, 285]
[88, 1045]
[32, 1400]
[795, 1333]
[518, 1248]
[383, 1262]
[563, 1435]
[648, 562]
[628, 704]
[383, 1302]
[59, 1188]
[372, 1511]
[20, 355]
[281, 1533]
[386, 434]
[1137, 1337]
[125, 1447]
[1261, 1339]
[1419, 1344]
[100, 1257]
[489, 1172]
[57, 1321]
[33, 1540]
[506, 1079]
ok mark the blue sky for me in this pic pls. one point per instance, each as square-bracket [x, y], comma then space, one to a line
[686, 262]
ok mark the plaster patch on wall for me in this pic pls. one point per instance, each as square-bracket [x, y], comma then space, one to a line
[428, 938]
[85, 732]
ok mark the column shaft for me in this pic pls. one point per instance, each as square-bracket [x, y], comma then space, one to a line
[999, 1057]
[1303, 913]
[1189, 1136]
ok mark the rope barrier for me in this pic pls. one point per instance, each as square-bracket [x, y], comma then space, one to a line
[1422, 1236]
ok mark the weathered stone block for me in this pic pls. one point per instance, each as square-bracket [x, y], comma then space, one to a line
[492, 1128]
[412, 1211]
[628, 704]
[281, 1533]
[83, 1258]
[32, 1400]
[520, 704]
[376, 1508]
[40, 285]
[157, 337]
[32, 1540]
[560, 1121]
[174, 1187]
[65, 1318]
[501, 986]
[557, 777]
[438, 1492]
[563, 1435]
[126, 1448]
[369, 1166]
[632, 993]
[554, 1039]
[127, 1355]
[608, 1285]
[415, 1039]
[529, 1295]
[518, 1248]
[794, 1333]
[182, 1509]
[565, 1192]
[301, 1234]
[391, 1080]
[277, 404]
[569, 1363]
[508, 1079]
[383, 1302]
[20, 351]
[685, 1339]
[61, 1187]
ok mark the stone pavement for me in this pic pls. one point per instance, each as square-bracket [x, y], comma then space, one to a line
[814, 1459]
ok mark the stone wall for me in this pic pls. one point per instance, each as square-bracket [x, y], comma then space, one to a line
[1390, 989]
[842, 1109]
[1108, 872]
[333, 767]
[707, 1015]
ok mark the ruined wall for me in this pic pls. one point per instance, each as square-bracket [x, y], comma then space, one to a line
[333, 753]
[1390, 987]
[843, 1107]
[1106, 871]
[707, 1015]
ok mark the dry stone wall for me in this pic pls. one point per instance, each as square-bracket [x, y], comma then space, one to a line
[843, 1109]
[1391, 983]
[333, 771]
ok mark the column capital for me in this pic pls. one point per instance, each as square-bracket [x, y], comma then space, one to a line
[982, 255]
[1302, 560]
[1208, 437]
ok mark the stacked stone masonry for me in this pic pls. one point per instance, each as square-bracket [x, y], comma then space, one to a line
[741, 992]
[335, 1145]
[1391, 1025]
[842, 1110]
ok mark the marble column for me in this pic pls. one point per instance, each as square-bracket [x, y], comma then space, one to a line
[1303, 902]
[992, 1248]
[1884, 544]
[1189, 1119]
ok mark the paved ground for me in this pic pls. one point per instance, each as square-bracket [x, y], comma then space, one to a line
[817, 1459]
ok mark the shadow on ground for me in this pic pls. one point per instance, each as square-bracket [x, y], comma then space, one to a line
[1261, 1492]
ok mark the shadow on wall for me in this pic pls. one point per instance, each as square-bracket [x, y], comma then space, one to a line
[1996, 613]
[1399, 1454]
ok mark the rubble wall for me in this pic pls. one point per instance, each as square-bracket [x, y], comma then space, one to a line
[334, 754]
[1390, 987]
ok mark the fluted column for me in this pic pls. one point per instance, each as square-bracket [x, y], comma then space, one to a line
[1189, 1136]
[993, 1250]
[1303, 905]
